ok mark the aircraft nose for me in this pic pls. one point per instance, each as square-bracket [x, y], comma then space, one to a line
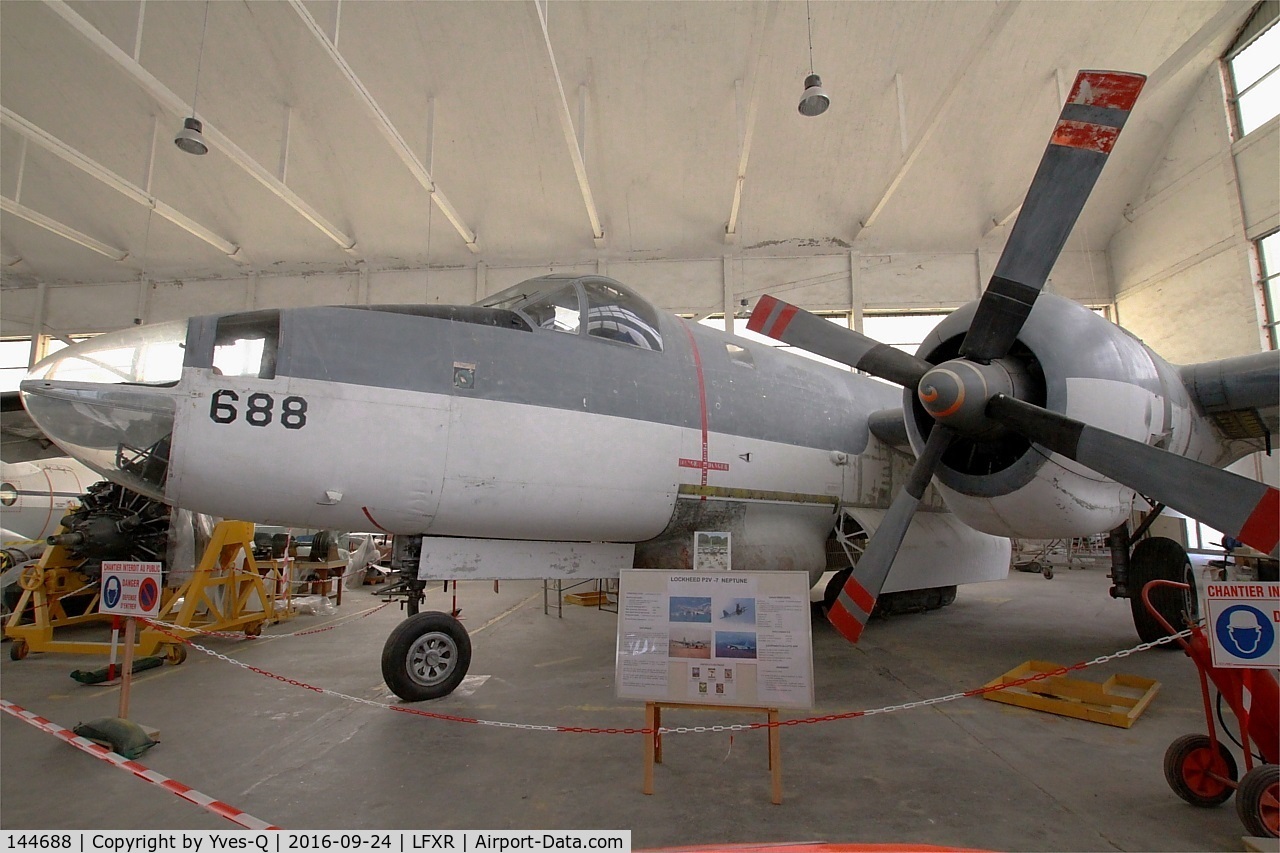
[110, 402]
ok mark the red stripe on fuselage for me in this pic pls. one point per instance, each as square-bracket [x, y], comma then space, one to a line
[365, 510]
[702, 398]
[1262, 530]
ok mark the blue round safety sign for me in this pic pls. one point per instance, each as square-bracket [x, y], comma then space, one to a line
[111, 591]
[1244, 631]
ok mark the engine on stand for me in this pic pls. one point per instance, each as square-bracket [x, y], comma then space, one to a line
[113, 523]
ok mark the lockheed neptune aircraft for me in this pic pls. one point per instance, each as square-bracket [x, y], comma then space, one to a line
[566, 428]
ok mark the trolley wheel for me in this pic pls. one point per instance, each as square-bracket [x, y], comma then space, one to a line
[1159, 558]
[1187, 764]
[253, 629]
[426, 656]
[19, 649]
[1047, 571]
[1258, 801]
[176, 653]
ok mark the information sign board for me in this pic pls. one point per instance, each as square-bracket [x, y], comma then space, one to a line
[715, 638]
[1244, 619]
[131, 588]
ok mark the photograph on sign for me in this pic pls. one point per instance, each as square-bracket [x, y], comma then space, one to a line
[711, 552]
[1243, 624]
[726, 638]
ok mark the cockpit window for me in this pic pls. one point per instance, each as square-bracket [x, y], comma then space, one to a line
[619, 316]
[246, 344]
[143, 355]
[559, 310]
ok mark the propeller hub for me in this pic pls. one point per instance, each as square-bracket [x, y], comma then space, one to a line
[955, 393]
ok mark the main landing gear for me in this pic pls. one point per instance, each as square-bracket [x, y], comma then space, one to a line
[426, 656]
[1155, 558]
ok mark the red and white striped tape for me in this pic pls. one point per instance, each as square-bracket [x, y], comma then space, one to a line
[189, 794]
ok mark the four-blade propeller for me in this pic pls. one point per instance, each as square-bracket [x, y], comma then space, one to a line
[970, 394]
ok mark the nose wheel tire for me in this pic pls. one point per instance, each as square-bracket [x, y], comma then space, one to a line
[426, 657]
[1258, 801]
[1197, 774]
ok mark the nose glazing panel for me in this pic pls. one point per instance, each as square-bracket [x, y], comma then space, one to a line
[106, 401]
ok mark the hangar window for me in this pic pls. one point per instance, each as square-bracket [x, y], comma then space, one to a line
[245, 344]
[559, 310]
[13, 362]
[1254, 69]
[618, 316]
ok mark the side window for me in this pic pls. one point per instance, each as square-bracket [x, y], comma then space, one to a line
[619, 316]
[559, 310]
[246, 344]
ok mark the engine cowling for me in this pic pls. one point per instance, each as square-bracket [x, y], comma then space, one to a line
[1071, 361]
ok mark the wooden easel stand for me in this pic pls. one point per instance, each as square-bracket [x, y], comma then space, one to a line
[653, 740]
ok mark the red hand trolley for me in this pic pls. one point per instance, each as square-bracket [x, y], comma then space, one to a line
[1200, 768]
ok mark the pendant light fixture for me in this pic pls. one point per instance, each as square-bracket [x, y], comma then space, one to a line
[814, 101]
[191, 138]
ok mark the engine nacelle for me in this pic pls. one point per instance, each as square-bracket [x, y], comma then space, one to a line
[1073, 362]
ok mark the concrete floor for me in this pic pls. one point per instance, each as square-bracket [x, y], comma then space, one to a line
[969, 773]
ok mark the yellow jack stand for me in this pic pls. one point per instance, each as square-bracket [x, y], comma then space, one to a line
[218, 597]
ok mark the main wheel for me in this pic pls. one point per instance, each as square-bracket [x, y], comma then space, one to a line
[1258, 801]
[426, 656]
[1188, 763]
[1159, 558]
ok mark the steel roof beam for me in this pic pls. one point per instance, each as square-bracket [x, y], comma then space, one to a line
[96, 170]
[981, 47]
[65, 231]
[219, 141]
[566, 124]
[760, 38]
[388, 130]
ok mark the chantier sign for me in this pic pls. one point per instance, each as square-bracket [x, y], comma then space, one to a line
[1244, 621]
[131, 588]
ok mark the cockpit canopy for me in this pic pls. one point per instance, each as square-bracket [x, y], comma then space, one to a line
[561, 302]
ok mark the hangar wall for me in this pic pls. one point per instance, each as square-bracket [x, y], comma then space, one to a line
[846, 281]
[1184, 271]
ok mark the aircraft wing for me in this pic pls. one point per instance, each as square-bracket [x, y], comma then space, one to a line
[20, 439]
[1241, 395]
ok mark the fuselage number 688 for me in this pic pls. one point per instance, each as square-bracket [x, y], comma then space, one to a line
[259, 409]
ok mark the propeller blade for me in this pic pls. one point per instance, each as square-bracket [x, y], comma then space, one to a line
[793, 325]
[852, 608]
[1087, 129]
[1242, 508]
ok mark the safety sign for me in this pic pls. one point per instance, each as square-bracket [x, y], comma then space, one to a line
[1244, 619]
[130, 588]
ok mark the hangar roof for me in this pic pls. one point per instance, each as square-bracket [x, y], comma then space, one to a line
[553, 132]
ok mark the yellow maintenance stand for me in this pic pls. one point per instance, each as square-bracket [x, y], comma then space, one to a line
[224, 593]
